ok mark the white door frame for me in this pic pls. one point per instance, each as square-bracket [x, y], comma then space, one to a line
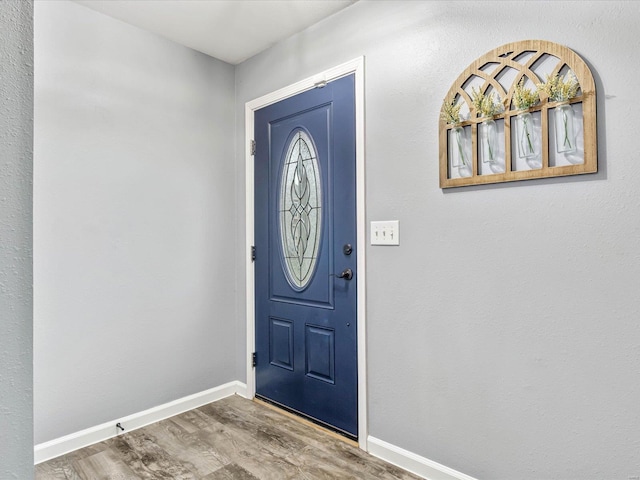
[356, 67]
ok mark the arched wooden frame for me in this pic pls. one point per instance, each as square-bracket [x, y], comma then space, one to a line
[507, 56]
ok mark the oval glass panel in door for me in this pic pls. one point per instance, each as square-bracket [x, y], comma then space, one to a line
[300, 209]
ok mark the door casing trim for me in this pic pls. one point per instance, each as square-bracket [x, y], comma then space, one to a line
[356, 67]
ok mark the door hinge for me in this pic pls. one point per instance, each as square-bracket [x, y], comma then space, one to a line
[254, 359]
[253, 253]
[253, 147]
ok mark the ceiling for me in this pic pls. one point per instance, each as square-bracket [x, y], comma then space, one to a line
[230, 30]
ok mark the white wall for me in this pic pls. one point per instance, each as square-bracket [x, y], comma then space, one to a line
[16, 234]
[133, 220]
[504, 339]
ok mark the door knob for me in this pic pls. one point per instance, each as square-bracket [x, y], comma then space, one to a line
[347, 274]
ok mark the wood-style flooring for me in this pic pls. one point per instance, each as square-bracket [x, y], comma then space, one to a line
[233, 438]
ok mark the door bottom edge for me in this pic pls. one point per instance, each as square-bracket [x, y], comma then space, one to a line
[308, 420]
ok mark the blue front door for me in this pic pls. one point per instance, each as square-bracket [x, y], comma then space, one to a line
[305, 269]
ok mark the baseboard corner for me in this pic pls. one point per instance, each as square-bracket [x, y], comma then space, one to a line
[241, 389]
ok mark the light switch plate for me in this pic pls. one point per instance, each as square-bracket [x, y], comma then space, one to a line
[385, 233]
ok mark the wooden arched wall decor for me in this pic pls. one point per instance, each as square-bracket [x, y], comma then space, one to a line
[500, 71]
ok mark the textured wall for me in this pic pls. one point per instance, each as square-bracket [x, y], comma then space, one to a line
[133, 222]
[16, 238]
[503, 334]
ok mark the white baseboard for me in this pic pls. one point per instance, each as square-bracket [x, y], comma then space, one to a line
[74, 441]
[413, 463]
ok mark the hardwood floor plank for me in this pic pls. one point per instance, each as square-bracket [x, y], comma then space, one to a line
[262, 430]
[190, 421]
[233, 438]
[147, 459]
[231, 472]
[193, 420]
[104, 465]
[57, 468]
[177, 443]
[242, 449]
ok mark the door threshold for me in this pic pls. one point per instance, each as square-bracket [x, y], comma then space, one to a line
[306, 421]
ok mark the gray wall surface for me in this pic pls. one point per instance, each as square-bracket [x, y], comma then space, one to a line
[133, 220]
[503, 333]
[16, 234]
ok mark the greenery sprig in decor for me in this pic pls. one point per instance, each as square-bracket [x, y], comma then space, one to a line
[451, 112]
[524, 98]
[486, 105]
[559, 89]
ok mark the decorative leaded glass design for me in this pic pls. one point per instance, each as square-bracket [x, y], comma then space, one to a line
[300, 209]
